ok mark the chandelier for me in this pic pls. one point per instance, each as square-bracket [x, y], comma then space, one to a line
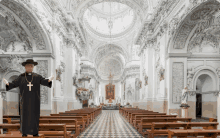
[110, 81]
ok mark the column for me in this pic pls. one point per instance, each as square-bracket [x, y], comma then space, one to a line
[1, 112]
[218, 110]
[69, 88]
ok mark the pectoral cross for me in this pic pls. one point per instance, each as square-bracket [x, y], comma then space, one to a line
[29, 86]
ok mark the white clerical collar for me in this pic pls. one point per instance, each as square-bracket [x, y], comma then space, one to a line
[29, 73]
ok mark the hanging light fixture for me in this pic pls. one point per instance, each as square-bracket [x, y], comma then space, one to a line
[110, 25]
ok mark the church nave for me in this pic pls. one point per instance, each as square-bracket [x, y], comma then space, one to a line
[110, 124]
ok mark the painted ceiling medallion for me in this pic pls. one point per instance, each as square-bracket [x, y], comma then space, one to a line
[104, 17]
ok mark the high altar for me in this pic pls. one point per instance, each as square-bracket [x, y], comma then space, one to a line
[110, 93]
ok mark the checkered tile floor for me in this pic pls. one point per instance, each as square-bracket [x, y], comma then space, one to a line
[110, 124]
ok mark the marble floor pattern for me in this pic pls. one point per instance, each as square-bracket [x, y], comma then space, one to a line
[110, 124]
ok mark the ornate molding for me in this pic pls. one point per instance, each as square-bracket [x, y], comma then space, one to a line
[12, 63]
[3, 95]
[42, 69]
[216, 93]
[218, 71]
[28, 21]
[190, 74]
[70, 43]
[192, 93]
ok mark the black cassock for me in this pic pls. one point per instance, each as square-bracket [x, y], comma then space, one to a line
[29, 101]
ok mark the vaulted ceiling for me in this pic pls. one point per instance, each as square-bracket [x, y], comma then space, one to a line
[110, 27]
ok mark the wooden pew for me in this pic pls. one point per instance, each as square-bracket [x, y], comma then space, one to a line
[146, 122]
[129, 113]
[85, 115]
[71, 124]
[137, 118]
[124, 110]
[132, 115]
[161, 128]
[18, 135]
[79, 119]
[48, 130]
[193, 132]
[212, 120]
[94, 111]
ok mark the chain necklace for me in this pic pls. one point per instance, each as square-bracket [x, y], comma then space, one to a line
[29, 82]
[26, 78]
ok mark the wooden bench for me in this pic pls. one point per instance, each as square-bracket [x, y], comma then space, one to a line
[126, 112]
[129, 113]
[193, 132]
[94, 111]
[146, 122]
[85, 116]
[79, 119]
[18, 135]
[90, 114]
[123, 110]
[137, 118]
[164, 126]
[212, 120]
[71, 124]
[132, 116]
[48, 130]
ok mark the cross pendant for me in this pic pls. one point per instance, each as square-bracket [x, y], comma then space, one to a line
[29, 86]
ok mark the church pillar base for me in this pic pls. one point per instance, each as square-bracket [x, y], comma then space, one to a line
[218, 111]
[184, 110]
[58, 105]
[1, 113]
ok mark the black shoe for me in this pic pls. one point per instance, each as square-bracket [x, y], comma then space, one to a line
[24, 135]
[36, 135]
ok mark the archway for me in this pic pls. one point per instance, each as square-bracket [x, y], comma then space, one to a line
[129, 96]
[12, 99]
[206, 102]
[25, 36]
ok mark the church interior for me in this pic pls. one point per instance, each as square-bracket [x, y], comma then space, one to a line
[121, 67]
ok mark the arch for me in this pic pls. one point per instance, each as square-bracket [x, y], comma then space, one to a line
[16, 8]
[208, 71]
[187, 25]
[9, 74]
[101, 47]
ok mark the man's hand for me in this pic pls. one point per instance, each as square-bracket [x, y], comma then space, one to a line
[51, 78]
[5, 81]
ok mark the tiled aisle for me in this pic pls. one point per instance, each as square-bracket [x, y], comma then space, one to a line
[110, 124]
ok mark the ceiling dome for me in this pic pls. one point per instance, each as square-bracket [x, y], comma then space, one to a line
[108, 18]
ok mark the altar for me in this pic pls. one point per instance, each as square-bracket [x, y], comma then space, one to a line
[110, 106]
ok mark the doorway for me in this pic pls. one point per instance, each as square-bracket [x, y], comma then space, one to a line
[198, 105]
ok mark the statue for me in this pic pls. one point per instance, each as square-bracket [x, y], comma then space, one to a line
[184, 95]
[161, 72]
[58, 73]
[146, 80]
[190, 74]
[110, 100]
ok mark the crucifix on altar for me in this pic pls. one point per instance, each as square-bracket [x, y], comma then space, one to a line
[110, 89]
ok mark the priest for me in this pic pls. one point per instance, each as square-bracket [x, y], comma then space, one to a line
[29, 84]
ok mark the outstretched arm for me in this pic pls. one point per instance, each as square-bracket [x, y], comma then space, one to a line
[45, 82]
[13, 84]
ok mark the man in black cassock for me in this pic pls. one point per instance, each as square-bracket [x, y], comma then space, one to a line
[29, 84]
